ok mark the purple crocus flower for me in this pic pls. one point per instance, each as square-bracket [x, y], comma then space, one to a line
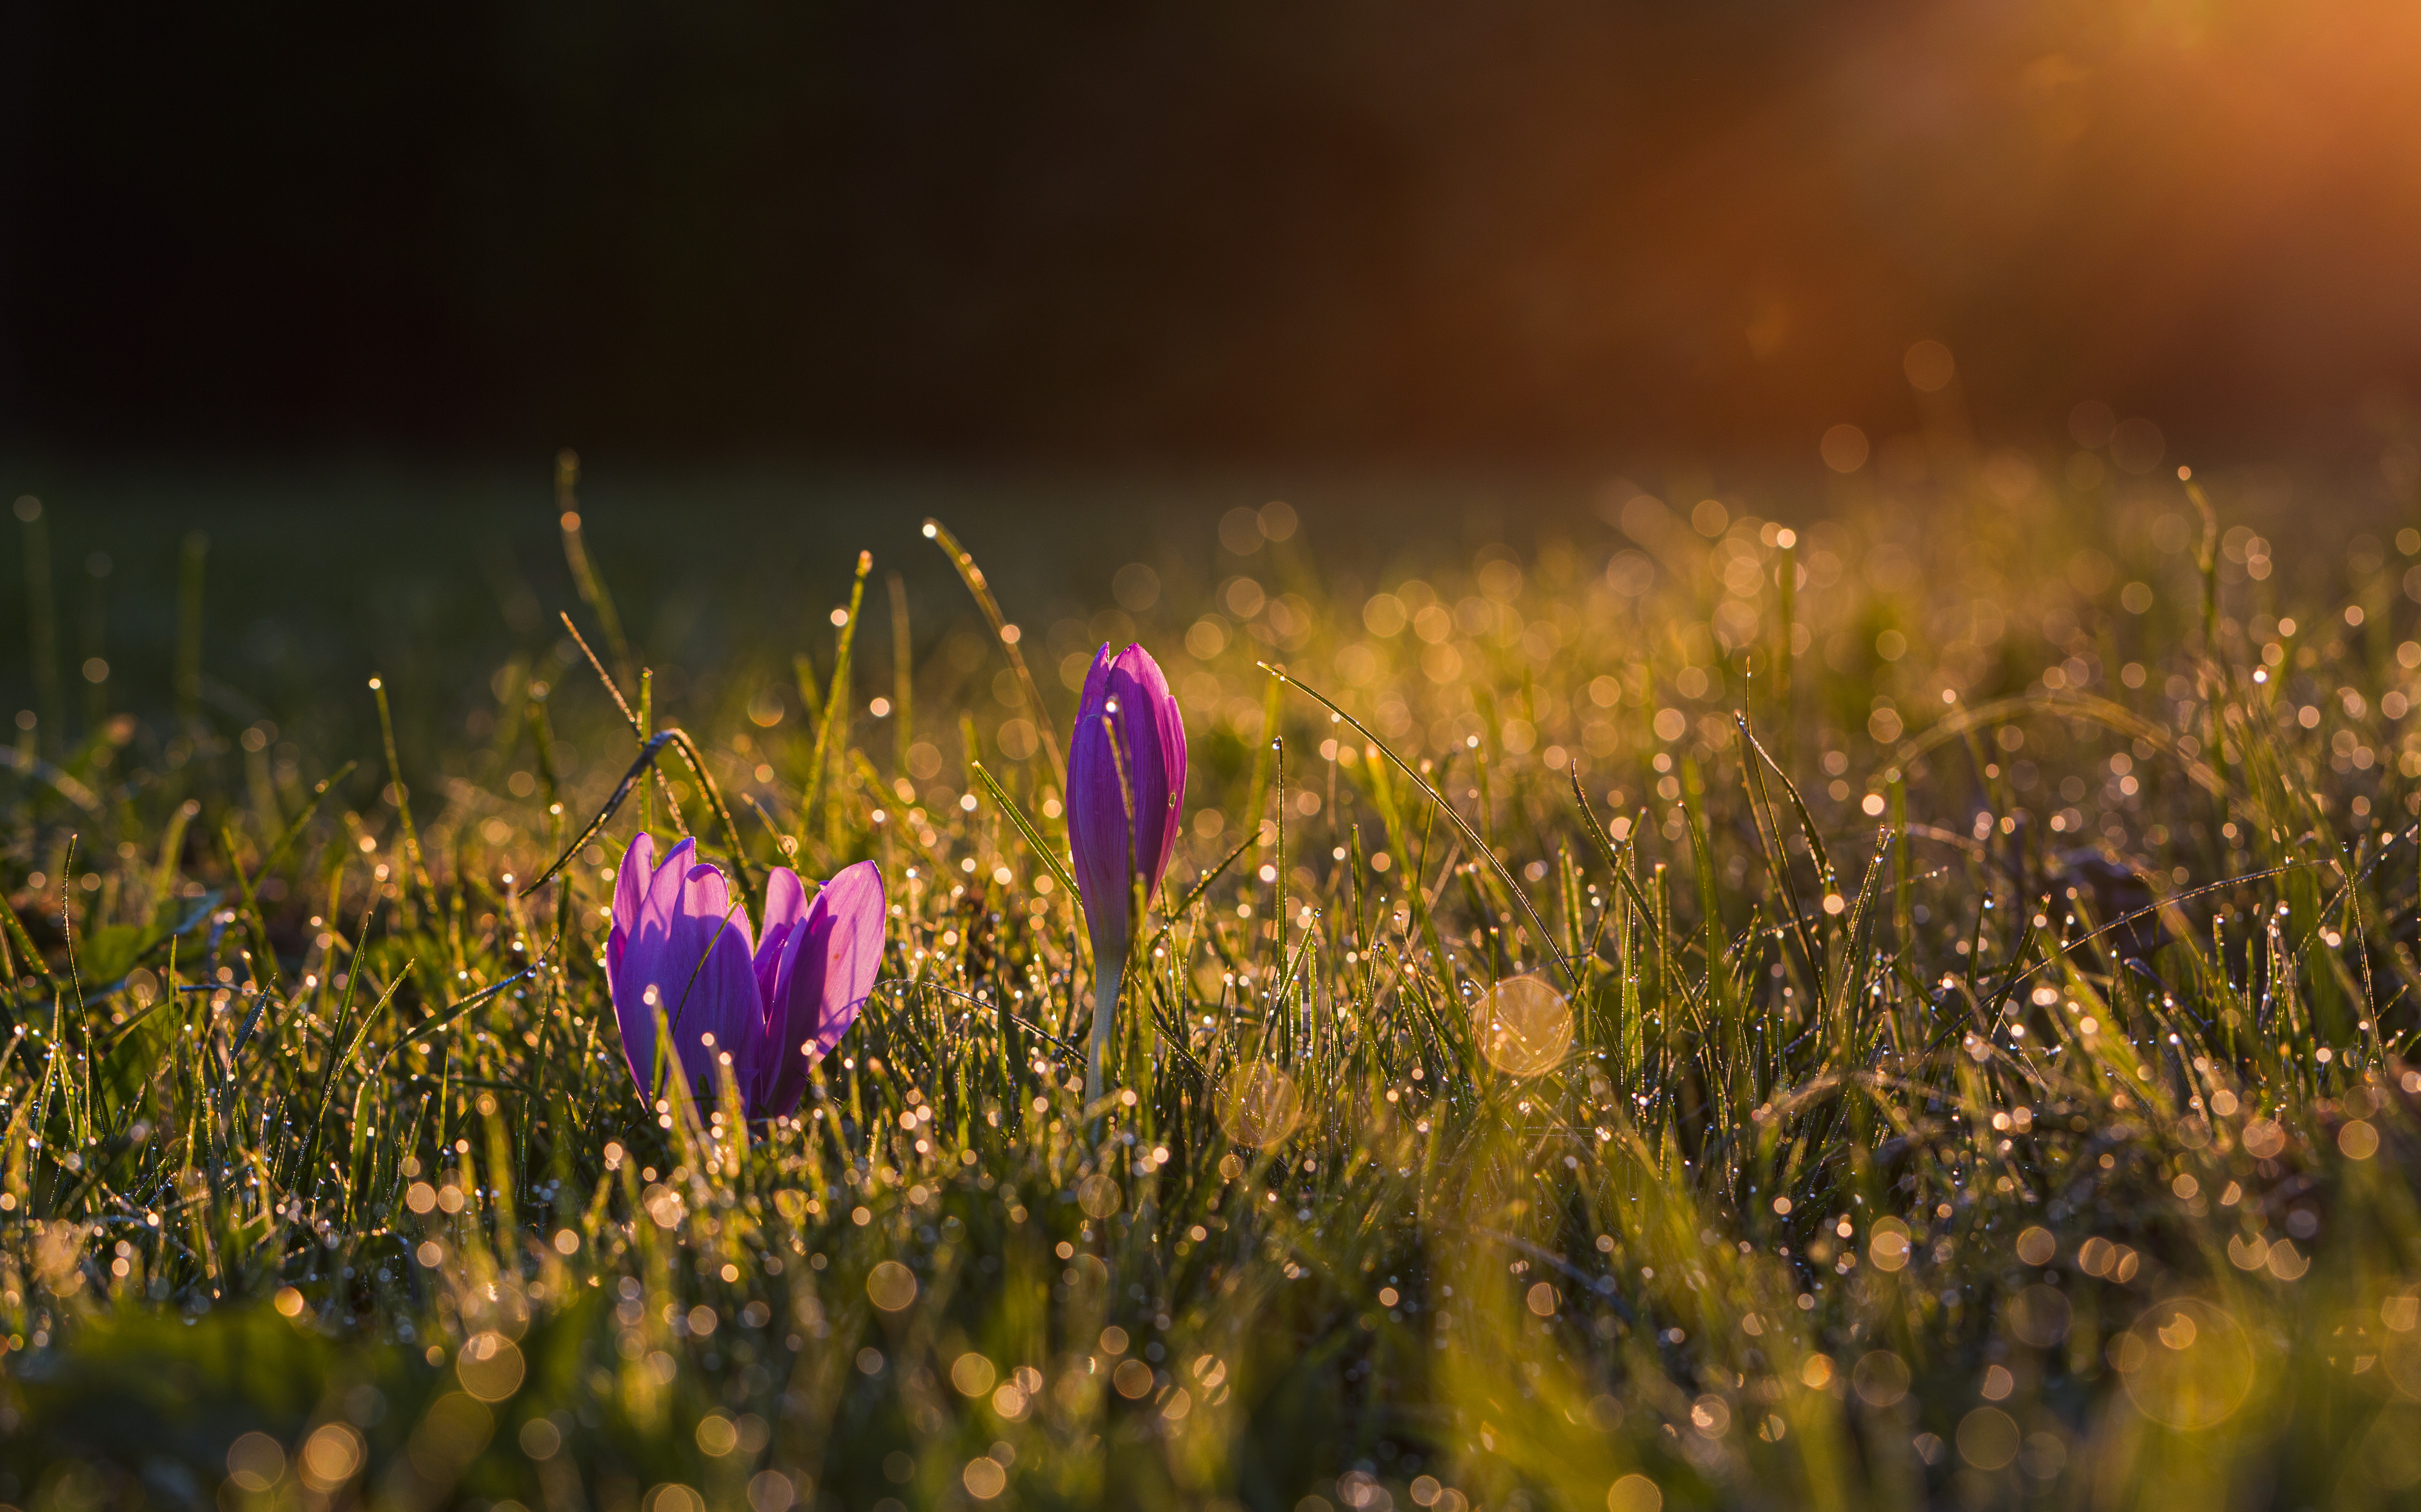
[1126, 773]
[680, 943]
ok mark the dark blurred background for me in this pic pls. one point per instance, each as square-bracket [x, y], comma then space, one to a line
[1510, 233]
[330, 285]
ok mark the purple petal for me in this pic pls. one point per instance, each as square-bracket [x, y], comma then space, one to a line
[828, 967]
[687, 940]
[846, 936]
[714, 992]
[635, 946]
[1097, 815]
[778, 952]
[1155, 737]
[786, 904]
[630, 886]
[1143, 777]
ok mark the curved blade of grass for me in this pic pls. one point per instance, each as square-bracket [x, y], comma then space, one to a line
[629, 716]
[446, 1015]
[836, 702]
[1025, 827]
[1613, 851]
[631, 779]
[1194, 894]
[1471, 836]
[973, 577]
[1778, 856]
[604, 815]
[294, 831]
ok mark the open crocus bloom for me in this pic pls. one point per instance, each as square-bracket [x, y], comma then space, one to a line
[680, 944]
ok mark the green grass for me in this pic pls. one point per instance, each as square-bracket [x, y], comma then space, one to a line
[1965, 969]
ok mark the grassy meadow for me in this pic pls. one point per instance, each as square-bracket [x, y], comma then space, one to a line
[1909, 1008]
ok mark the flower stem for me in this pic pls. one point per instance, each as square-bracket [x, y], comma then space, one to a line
[1108, 969]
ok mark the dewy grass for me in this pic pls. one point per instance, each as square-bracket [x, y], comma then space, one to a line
[1867, 1018]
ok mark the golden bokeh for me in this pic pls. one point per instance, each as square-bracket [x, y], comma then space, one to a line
[2358, 1139]
[256, 1461]
[1880, 1377]
[490, 1366]
[1524, 1027]
[972, 1375]
[331, 1456]
[1888, 1247]
[717, 1435]
[1259, 1105]
[2037, 1247]
[2039, 1315]
[1988, 1438]
[984, 1478]
[2187, 1364]
[1099, 1195]
[1132, 1378]
[1633, 1493]
[891, 1285]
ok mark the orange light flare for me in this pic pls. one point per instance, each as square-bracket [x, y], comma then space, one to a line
[2150, 199]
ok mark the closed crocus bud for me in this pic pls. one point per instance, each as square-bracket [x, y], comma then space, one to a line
[1126, 774]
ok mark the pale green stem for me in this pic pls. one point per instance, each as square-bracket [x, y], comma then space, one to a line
[1107, 971]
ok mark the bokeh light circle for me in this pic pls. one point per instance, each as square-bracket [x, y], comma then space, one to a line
[891, 1285]
[1879, 1377]
[1930, 366]
[1099, 1195]
[1988, 1438]
[490, 1366]
[1523, 1026]
[2039, 1315]
[1258, 1105]
[2193, 1365]
[1844, 448]
[1633, 1493]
